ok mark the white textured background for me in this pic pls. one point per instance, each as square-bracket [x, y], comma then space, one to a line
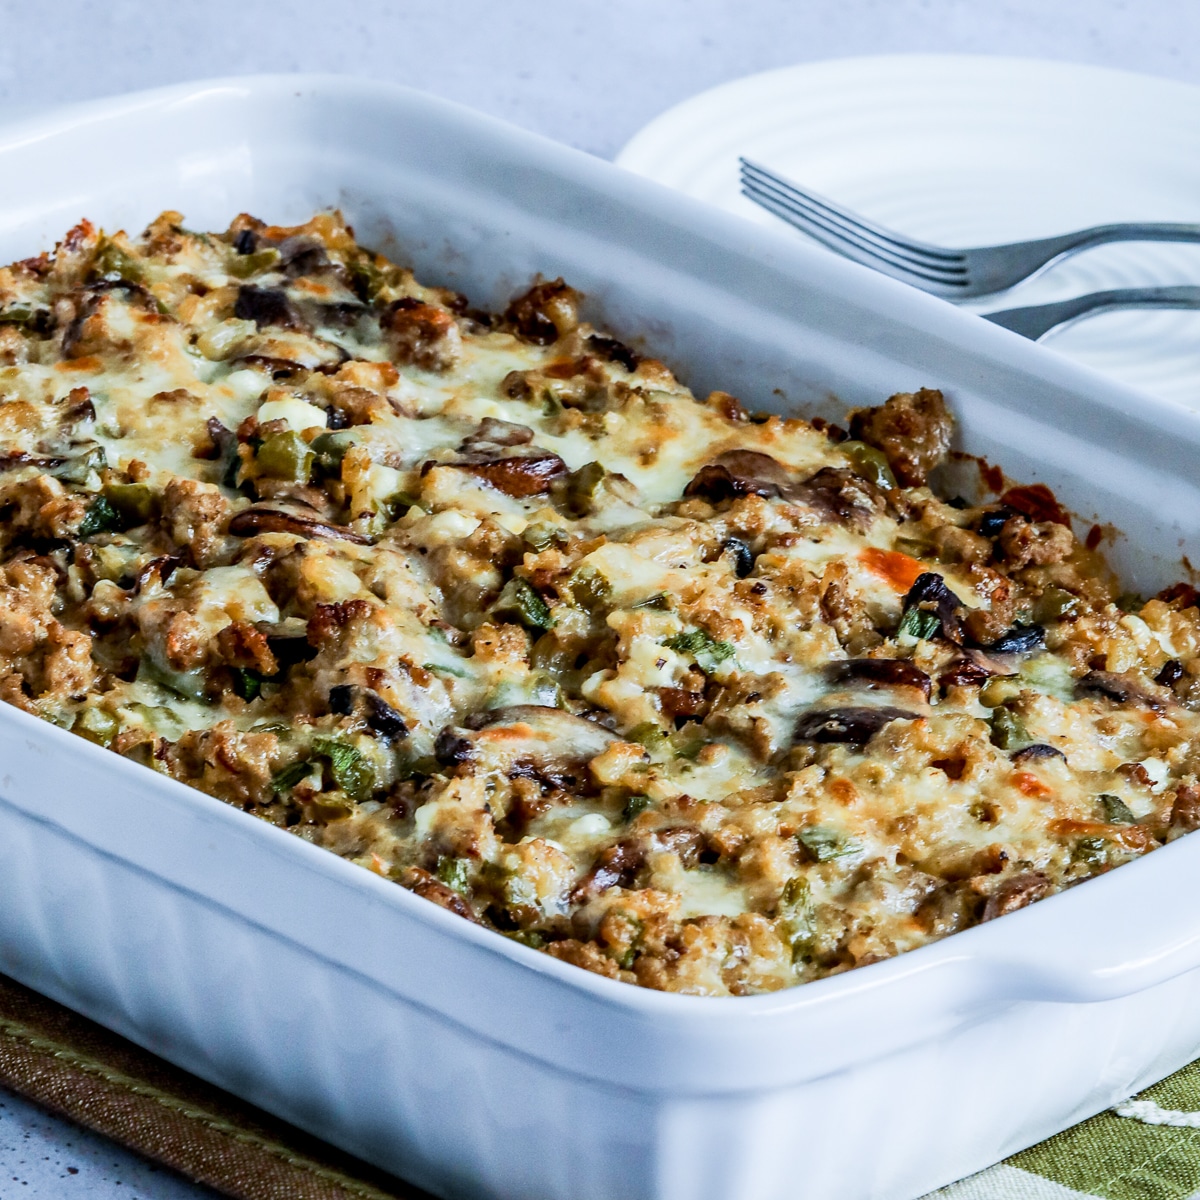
[587, 72]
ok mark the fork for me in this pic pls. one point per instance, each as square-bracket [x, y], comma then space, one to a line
[953, 274]
[1037, 320]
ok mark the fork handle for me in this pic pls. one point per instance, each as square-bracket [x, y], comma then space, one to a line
[1037, 320]
[1125, 231]
[1000, 267]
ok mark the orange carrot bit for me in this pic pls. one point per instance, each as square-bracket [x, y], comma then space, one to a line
[898, 569]
[1030, 785]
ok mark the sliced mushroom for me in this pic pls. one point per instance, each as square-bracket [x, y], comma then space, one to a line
[742, 555]
[340, 314]
[964, 673]
[73, 333]
[271, 518]
[521, 472]
[891, 672]
[852, 724]
[1170, 674]
[378, 715]
[134, 291]
[267, 306]
[545, 313]
[930, 593]
[1127, 687]
[739, 473]
[288, 641]
[1036, 751]
[1014, 893]
[425, 885]
[494, 432]
[303, 255]
[617, 866]
[613, 350]
[11, 459]
[280, 368]
[1020, 639]
[157, 572]
[526, 739]
[842, 494]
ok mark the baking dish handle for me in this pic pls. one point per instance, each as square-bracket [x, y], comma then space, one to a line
[1108, 937]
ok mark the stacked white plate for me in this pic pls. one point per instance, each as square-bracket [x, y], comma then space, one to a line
[973, 151]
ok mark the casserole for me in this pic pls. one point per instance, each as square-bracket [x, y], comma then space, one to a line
[492, 606]
[352, 1009]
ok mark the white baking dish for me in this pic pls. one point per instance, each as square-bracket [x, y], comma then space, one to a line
[464, 1062]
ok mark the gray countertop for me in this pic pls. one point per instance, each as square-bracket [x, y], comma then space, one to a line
[587, 72]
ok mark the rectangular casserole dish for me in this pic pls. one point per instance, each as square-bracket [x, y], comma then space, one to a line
[462, 1061]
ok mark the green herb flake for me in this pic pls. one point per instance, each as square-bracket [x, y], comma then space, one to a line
[707, 652]
[351, 772]
[369, 280]
[1055, 604]
[1008, 730]
[446, 669]
[583, 487]
[135, 503]
[285, 780]
[541, 536]
[647, 734]
[285, 456]
[398, 503]
[590, 589]
[242, 266]
[519, 600]
[191, 685]
[920, 624]
[79, 469]
[280, 727]
[635, 805]
[826, 844]
[796, 913]
[424, 767]
[100, 517]
[330, 448]
[455, 873]
[246, 683]
[16, 314]
[690, 748]
[1116, 811]
[112, 263]
[870, 463]
[527, 937]
[658, 603]
[96, 725]
[1091, 850]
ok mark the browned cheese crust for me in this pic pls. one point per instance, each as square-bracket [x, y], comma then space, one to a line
[495, 608]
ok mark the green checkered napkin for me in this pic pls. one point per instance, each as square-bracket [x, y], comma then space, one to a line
[1151, 1151]
[76, 1068]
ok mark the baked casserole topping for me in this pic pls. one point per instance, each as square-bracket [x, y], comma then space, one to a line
[497, 609]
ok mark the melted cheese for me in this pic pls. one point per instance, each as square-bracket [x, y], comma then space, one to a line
[470, 602]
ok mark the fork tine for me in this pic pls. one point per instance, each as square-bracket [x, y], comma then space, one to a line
[839, 215]
[871, 255]
[855, 234]
[955, 272]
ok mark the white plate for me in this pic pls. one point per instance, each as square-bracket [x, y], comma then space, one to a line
[970, 151]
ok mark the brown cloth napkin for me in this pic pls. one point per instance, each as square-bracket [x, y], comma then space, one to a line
[74, 1067]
